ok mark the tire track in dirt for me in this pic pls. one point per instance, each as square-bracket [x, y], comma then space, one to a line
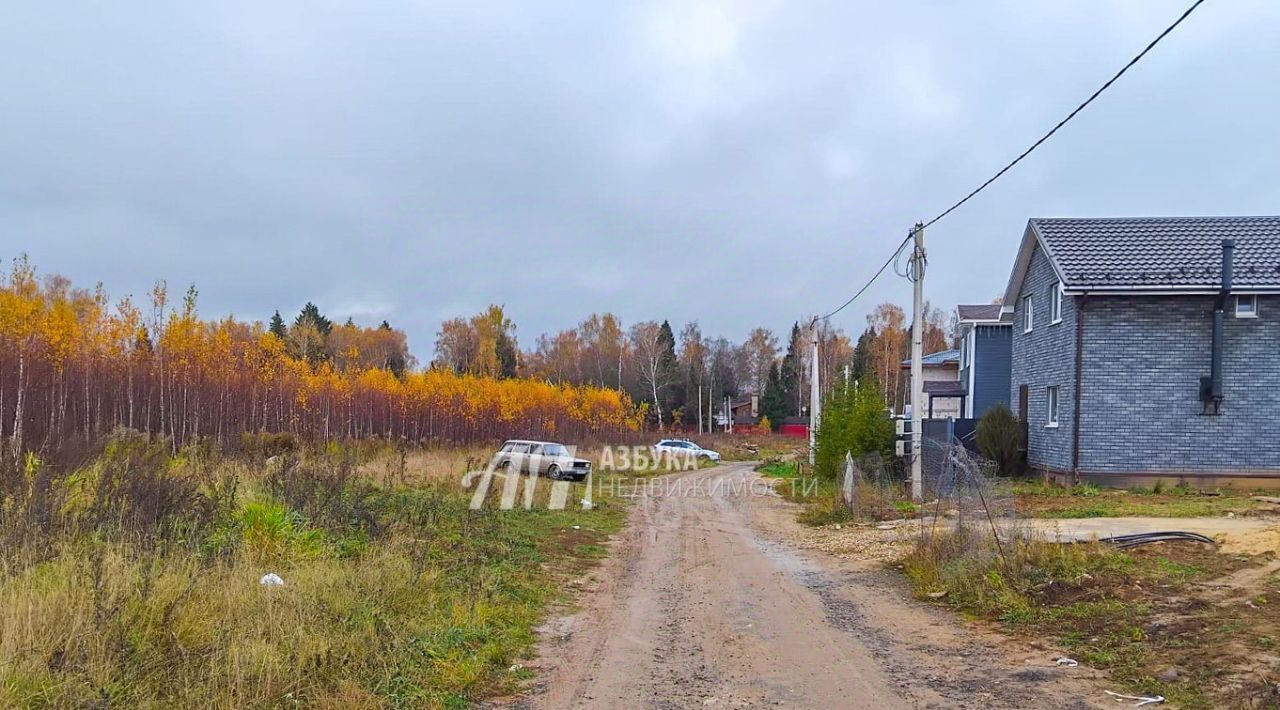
[702, 604]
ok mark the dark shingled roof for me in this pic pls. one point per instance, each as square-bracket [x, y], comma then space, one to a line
[949, 388]
[982, 312]
[1162, 252]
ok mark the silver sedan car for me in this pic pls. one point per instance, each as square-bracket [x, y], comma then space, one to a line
[545, 458]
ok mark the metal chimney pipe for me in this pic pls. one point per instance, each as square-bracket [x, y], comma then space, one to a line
[1219, 315]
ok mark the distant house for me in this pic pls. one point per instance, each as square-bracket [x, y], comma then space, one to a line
[746, 411]
[986, 336]
[944, 394]
[1147, 348]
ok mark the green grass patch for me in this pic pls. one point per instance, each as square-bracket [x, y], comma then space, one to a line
[1046, 500]
[779, 469]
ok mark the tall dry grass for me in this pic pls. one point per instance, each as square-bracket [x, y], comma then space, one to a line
[132, 580]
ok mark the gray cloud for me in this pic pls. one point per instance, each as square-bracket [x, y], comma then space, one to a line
[738, 163]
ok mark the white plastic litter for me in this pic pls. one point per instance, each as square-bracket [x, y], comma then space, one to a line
[1064, 661]
[1142, 700]
[271, 579]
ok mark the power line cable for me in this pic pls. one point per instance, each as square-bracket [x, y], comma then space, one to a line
[1000, 173]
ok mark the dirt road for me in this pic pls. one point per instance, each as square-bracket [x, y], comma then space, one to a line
[703, 604]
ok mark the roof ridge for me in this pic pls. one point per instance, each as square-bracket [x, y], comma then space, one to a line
[1166, 218]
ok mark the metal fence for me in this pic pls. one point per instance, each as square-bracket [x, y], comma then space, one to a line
[938, 438]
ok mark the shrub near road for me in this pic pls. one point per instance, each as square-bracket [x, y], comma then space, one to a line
[133, 581]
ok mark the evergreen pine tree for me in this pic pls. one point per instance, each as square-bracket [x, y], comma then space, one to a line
[308, 338]
[508, 359]
[311, 314]
[773, 404]
[277, 327]
[792, 371]
[861, 365]
[675, 396]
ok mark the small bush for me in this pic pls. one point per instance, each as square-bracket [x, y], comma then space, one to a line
[853, 422]
[327, 493]
[264, 445]
[999, 437]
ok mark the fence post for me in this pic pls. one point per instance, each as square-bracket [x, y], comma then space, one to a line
[848, 481]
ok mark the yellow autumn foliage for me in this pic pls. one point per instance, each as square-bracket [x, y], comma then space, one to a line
[72, 365]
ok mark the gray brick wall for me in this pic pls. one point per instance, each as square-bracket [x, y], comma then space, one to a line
[1144, 356]
[1043, 358]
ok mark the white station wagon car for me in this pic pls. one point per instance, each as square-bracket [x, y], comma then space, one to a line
[546, 458]
[684, 447]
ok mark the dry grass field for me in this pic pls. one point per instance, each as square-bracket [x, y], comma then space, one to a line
[130, 578]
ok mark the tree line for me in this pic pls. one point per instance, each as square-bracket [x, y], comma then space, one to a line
[72, 363]
[685, 377]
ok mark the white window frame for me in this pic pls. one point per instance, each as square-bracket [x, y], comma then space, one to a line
[1028, 314]
[1051, 406]
[1249, 297]
[1055, 303]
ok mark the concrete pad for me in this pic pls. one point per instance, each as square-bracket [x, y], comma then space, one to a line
[1093, 528]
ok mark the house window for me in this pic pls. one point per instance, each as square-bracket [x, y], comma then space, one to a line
[1028, 315]
[1055, 303]
[1246, 306]
[1052, 406]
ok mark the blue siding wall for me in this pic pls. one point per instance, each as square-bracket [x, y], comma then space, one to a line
[1144, 357]
[1043, 358]
[993, 360]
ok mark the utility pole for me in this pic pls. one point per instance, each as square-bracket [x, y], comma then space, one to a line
[917, 362]
[699, 407]
[815, 406]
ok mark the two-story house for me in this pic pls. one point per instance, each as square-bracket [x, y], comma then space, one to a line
[986, 334]
[944, 395]
[1148, 347]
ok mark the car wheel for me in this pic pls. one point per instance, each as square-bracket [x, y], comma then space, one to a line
[554, 472]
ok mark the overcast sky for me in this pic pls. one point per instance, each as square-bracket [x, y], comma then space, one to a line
[734, 163]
